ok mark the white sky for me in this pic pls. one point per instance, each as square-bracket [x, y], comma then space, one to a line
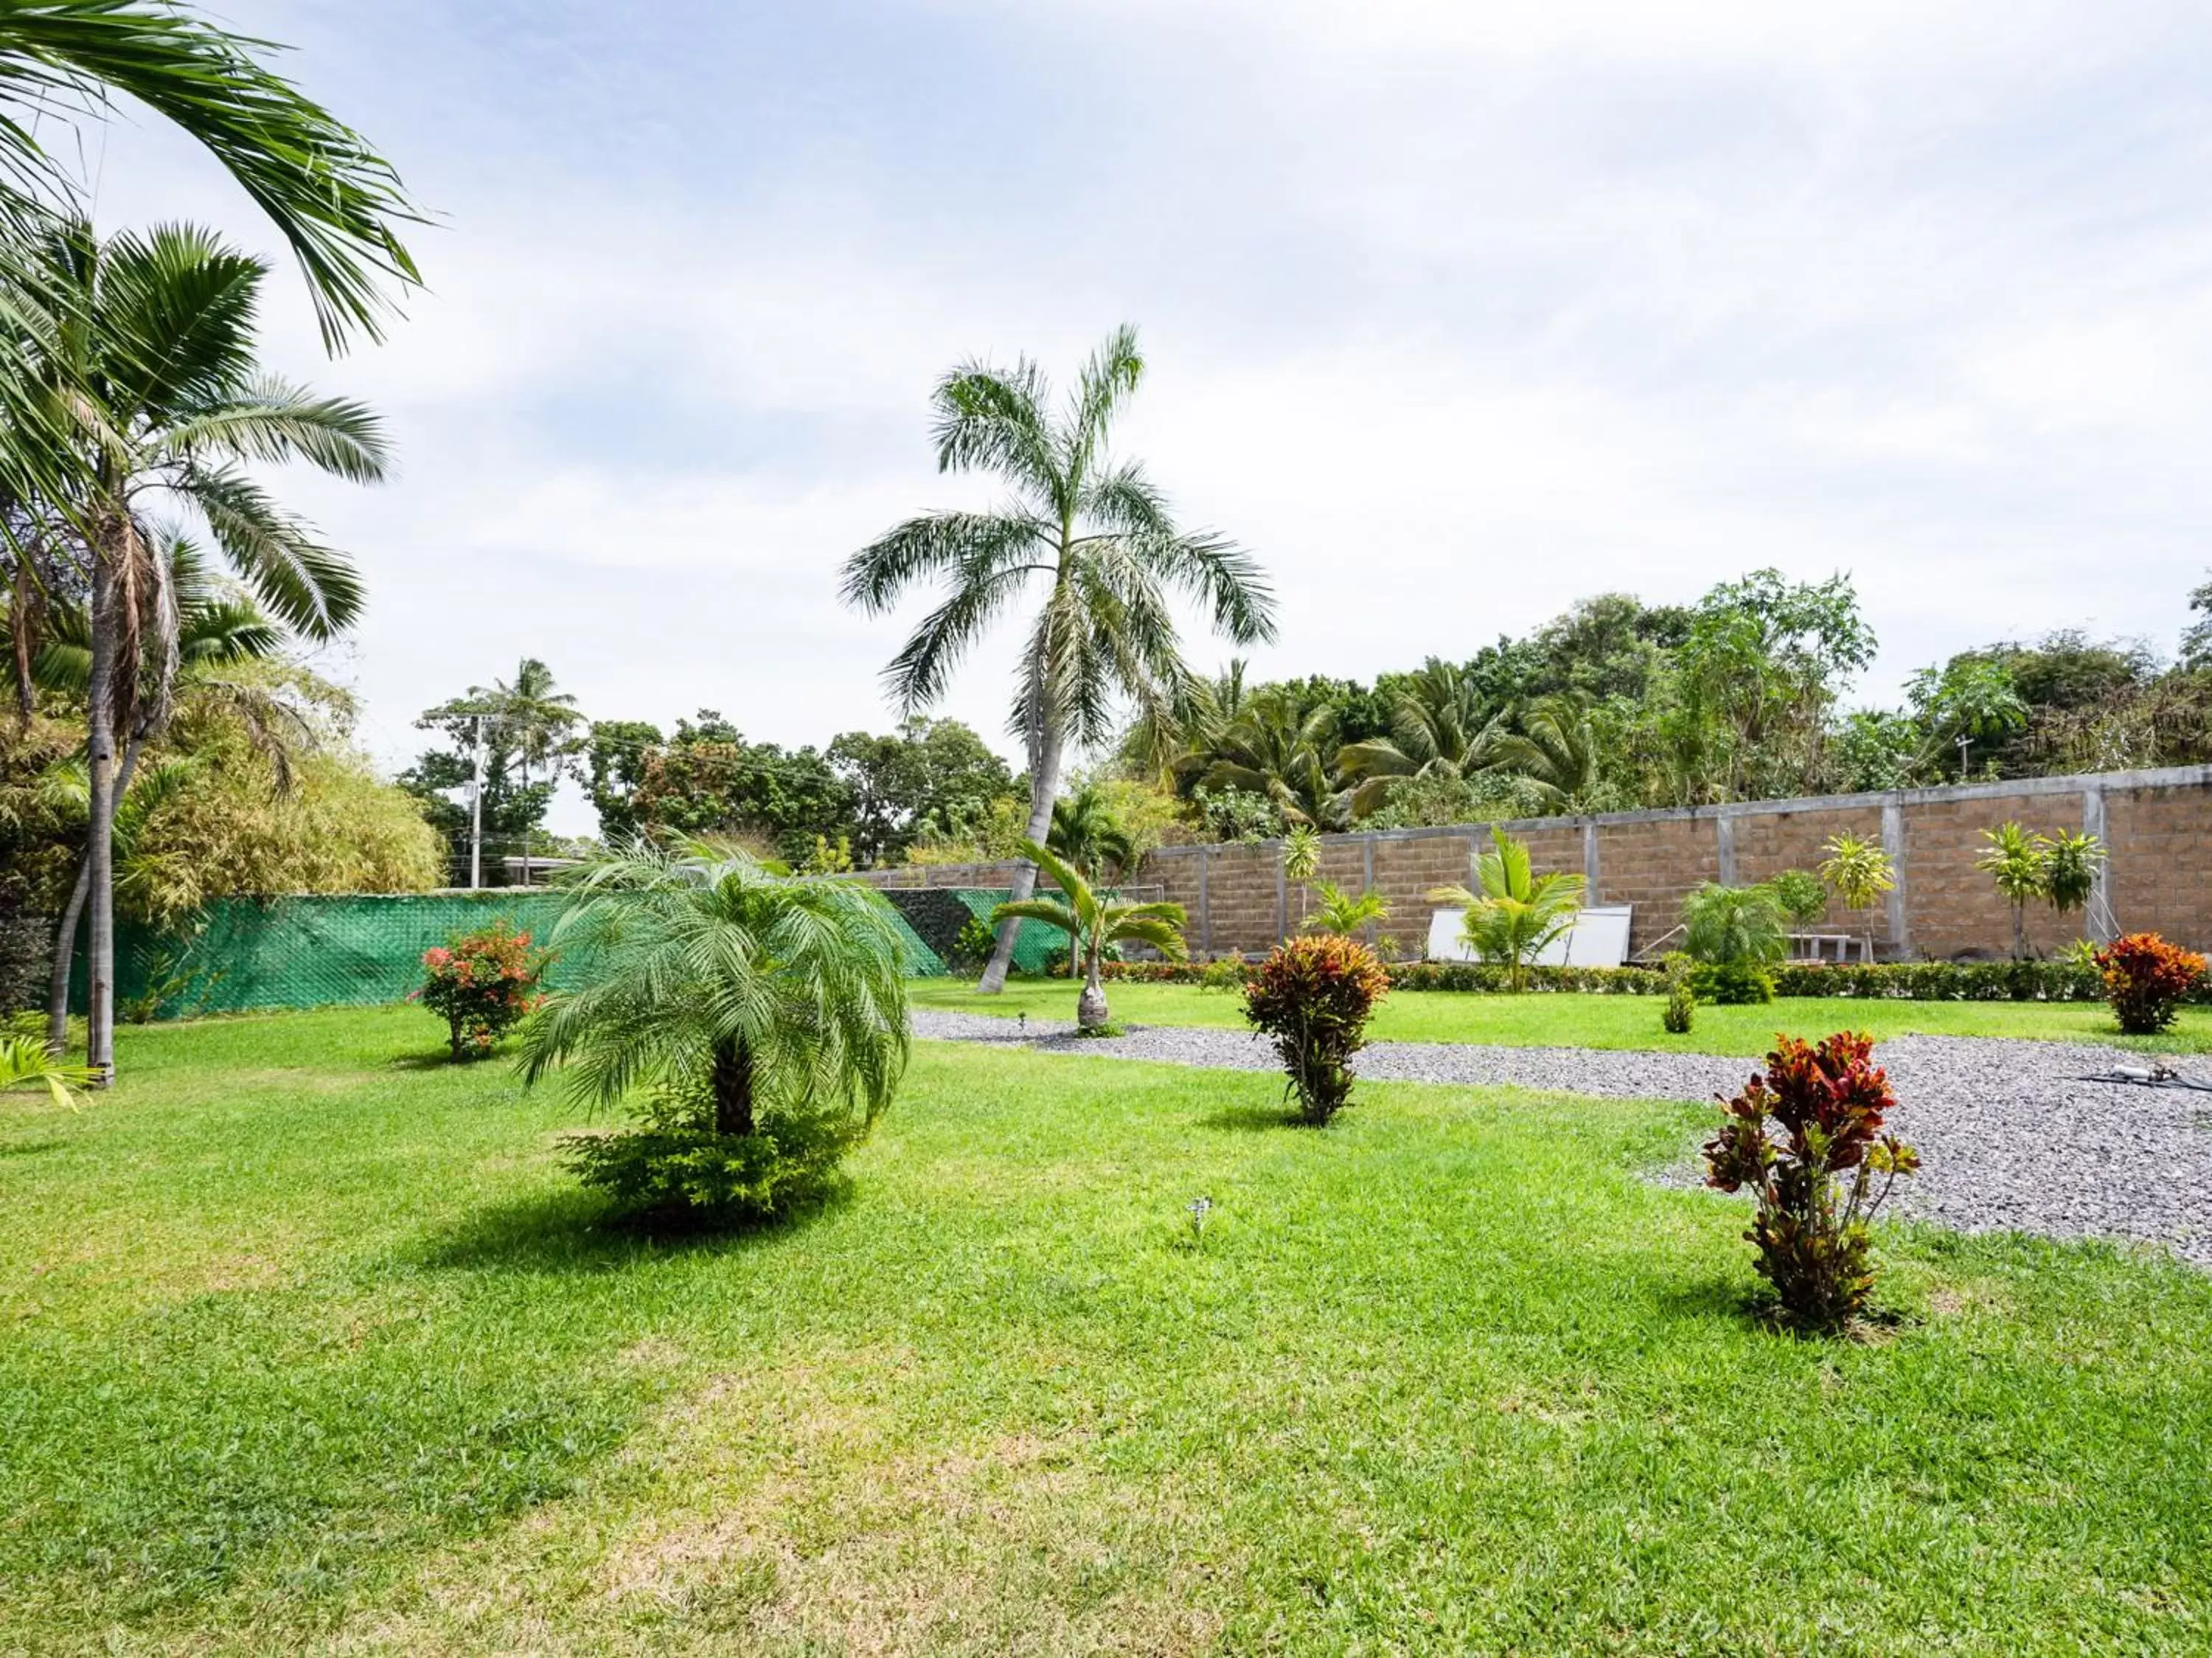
[1454, 313]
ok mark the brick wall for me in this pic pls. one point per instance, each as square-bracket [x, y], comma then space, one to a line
[2157, 824]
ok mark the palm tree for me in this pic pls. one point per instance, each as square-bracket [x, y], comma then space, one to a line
[1343, 914]
[1733, 926]
[156, 371]
[1438, 726]
[1517, 912]
[539, 721]
[332, 199]
[1279, 748]
[1085, 832]
[1858, 872]
[215, 628]
[2019, 862]
[1091, 923]
[1099, 531]
[1556, 749]
[693, 968]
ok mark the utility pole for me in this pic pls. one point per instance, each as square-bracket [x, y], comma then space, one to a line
[1965, 739]
[475, 811]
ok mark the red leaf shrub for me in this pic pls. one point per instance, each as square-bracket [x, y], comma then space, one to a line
[1806, 1136]
[2145, 979]
[483, 983]
[1314, 996]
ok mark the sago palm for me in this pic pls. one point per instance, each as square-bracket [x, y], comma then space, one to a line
[1095, 535]
[694, 967]
[1517, 912]
[1093, 923]
[155, 370]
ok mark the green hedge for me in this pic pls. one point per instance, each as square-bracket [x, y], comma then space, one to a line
[1903, 981]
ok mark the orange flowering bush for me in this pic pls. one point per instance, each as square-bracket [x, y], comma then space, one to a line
[483, 983]
[2145, 980]
[1314, 996]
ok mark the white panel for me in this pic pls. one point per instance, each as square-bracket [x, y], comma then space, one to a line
[1599, 938]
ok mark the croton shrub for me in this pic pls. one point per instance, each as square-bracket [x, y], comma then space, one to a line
[1314, 996]
[1807, 1138]
[483, 983]
[2146, 979]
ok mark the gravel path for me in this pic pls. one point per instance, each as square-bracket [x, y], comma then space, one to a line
[2009, 1136]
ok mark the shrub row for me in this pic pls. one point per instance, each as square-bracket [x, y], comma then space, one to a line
[1904, 981]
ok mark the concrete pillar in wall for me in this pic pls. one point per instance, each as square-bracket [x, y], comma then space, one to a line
[1589, 860]
[1724, 841]
[1204, 909]
[2104, 925]
[1367, 878]
[1282, 897]
[1894, 902]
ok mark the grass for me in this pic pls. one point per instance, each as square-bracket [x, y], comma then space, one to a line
[1597, 1022]
[310, 1343]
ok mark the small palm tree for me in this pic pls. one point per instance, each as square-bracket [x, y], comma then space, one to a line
[24, 1060]
[1858, 872]
[693, 965]
[1109, 553]
[1086, 834]
[1517, 912]
[2069, 879]
[1346, 914]
[1091, 923]
[2019, 862]
[1733, 926]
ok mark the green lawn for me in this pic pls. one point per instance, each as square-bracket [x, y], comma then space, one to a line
[1596, 1021]
[309, 1344]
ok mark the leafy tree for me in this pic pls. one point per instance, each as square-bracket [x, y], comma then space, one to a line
[1972, 702]
[928, 772]
[1517, 912]
[708, 780]
[614, 769]
[1101, 534]
[156, 378]
[761, 1019]
[1875, 750]
[2197, 637]
[1092, 924]
[1801, 897]
[526, 724]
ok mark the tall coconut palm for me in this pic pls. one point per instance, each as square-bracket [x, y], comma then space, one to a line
[1438, 725]
[154, 368]
[335, 201]
[1098, 537]
[1556, 749]
[215, 628]
[1279, 748]
[1093, 923]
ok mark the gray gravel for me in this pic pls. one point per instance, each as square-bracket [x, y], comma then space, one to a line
[2009, 1137]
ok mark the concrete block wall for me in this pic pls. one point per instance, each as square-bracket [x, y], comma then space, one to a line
[2156, 825]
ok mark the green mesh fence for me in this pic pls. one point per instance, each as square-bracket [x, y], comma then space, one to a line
[243, 954]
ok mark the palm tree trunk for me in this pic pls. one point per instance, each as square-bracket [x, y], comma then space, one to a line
[1044, 788]
[100, 847]
[1091, 1003]
[57, 984]
[732, 1083]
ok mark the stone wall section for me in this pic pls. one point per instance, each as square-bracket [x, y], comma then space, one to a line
[2157, 826]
